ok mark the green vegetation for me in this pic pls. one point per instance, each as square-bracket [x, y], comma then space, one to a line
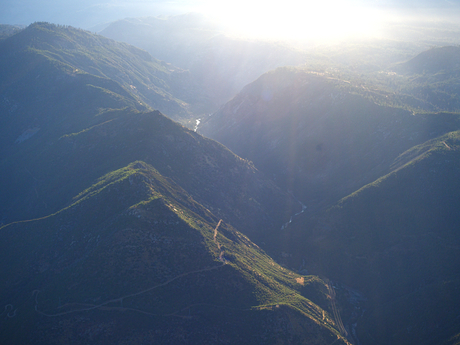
[380, 183]
[140, 239]
[119, 225]
[136, 243]
[320, 136]
[396, 241]
[75, 52]
[8, 30]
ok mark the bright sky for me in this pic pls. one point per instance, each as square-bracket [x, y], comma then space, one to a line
[307, 19]
[295, 19]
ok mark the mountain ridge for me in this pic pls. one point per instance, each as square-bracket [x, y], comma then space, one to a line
[153, 83]
[164, 220]
[395, 240]
[318, 133]
[119, 225]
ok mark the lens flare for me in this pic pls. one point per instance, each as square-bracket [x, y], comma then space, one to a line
[297, 20]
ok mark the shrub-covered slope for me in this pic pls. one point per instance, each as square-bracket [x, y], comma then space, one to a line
[135, 258]
[433, 78]
[47, 55]
[62, 127]
[43, 177]
[397, 241]
[149, 251]
[392, 245]
[317, 135]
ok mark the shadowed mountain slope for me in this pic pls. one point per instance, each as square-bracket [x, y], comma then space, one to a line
[126, 227]
[435, 60]
[396, 240]
[62, 129]
[122, 223]
[213, 175]
[433, 77]
[135, 257]
[47, 51]
[391, 245]
[319, 136]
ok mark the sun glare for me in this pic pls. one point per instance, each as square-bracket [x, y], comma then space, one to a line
[307, 20]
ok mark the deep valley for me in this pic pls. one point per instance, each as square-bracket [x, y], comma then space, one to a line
[226, 190]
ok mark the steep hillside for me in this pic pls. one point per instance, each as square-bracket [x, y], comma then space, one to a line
[435, 60]
[62, 129]
[119, 224]
[43, 173]
[136, 259]
[316, 135]
[433, 77]
[396, 240]
[43, 50]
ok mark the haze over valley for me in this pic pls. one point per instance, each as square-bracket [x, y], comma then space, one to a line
[201, 172]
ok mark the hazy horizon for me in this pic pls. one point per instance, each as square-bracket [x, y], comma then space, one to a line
[331, 20]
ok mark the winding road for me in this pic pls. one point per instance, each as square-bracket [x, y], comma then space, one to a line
[221, 255]
[338, 319]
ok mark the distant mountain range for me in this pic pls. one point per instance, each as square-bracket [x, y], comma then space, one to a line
[393, 240]
[396, 240]
[381, 188]
[120, 225]
[136, 257]
[434, 77]
[151, 82]
[221, 64]
[330, 216]
[318, 135]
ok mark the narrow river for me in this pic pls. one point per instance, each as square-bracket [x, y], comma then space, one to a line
[304, 207]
